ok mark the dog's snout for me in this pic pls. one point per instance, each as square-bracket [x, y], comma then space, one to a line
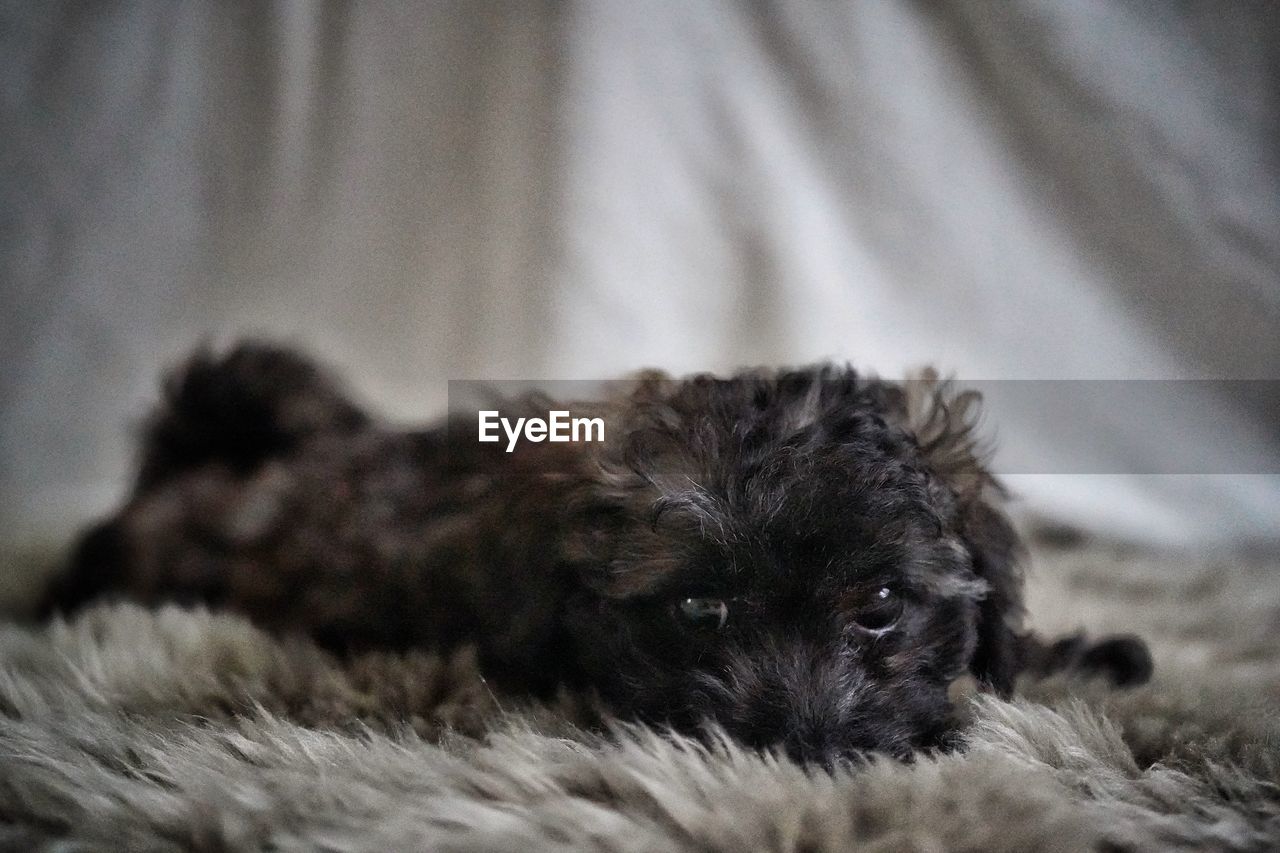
[798, 699]
[815, 749]
[805, 743]
[818, 705]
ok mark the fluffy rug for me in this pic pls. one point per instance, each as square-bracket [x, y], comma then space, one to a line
[176, 730]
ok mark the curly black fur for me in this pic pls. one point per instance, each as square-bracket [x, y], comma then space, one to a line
[809, 558]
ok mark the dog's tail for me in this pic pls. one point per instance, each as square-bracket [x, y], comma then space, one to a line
[256, 402]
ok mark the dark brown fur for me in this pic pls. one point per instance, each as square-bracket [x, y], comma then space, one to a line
[803, 509]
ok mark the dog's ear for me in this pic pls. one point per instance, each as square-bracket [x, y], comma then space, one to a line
[997, 553]
[944, 420]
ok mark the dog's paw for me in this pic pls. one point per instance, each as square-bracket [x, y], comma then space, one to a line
[1123, 659]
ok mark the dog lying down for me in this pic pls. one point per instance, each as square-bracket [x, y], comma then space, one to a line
[807, 558]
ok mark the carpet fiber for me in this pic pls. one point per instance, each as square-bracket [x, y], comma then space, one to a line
[176, 730]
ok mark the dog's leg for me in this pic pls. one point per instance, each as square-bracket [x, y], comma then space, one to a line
[226, 415]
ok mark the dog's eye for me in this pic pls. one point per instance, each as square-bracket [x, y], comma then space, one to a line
[880, 611]
[708, 613]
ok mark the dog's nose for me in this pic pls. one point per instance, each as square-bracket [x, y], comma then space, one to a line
[816, 752]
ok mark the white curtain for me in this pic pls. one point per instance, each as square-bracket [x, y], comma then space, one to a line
[418, 192]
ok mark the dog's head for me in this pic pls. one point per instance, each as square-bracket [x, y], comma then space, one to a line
[806, 558]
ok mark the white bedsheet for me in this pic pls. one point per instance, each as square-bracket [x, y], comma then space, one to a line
[1037, 190]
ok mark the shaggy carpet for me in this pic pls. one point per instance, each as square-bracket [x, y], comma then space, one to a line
[130, 729]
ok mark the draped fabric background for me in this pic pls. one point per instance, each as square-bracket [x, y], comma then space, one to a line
[418, 192]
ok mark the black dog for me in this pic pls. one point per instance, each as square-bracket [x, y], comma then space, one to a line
[808, 558]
